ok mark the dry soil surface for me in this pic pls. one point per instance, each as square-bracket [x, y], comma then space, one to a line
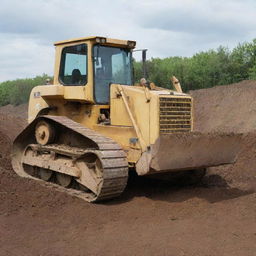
[228, 108]
[216, 217]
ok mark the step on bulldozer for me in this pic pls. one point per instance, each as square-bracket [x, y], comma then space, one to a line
[93, 125]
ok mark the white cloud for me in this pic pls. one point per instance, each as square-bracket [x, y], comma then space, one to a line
[28, 28]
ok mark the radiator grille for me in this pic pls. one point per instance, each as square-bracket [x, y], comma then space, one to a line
[175, 115]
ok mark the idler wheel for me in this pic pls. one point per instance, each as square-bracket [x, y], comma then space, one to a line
[44, 133]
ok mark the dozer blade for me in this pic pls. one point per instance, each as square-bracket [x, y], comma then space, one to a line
[190, 151]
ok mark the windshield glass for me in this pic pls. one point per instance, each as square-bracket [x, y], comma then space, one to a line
[111, 66]
[73, 66]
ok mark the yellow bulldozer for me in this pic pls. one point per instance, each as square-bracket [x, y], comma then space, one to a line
[93, 125]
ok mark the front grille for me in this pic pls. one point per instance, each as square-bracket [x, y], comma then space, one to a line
[175, 115]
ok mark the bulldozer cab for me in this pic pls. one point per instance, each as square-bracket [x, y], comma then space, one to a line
[94, 63]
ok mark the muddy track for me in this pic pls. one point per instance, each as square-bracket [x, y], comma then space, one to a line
[112, 157]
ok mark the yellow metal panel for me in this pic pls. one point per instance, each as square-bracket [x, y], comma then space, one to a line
[75, 93]
[139, 107]
[53, 91]
[154, 118]
[118, 112]
[121, 43]
[122, 135]
[74, 40]
[110, 41]
[117, 133]
[58, 51]
[36, 102]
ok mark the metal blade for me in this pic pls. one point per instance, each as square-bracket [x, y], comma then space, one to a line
[190, 151]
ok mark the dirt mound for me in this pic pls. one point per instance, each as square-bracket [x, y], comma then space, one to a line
[241, 174]
[15, 111]
[5, 145]
[229, 108]
[13, 119]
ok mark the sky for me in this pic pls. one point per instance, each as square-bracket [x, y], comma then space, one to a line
[28, 28]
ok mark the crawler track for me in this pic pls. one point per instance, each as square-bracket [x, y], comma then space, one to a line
[73, 144]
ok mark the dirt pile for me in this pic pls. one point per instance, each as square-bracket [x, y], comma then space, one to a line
[15, 111]
[5, 145]
[230, 108]
[13, 119]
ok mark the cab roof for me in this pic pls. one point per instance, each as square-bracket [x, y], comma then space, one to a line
[92, 38]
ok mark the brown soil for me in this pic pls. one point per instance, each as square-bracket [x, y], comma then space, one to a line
[13, 119]
[217, 217]
[230, 108]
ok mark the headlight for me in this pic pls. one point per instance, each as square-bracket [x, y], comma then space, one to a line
[103, 40]
[131, 44]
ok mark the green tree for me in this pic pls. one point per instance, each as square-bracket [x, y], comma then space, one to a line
[17, 91]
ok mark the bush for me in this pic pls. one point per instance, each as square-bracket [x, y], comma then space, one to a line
[17, 91]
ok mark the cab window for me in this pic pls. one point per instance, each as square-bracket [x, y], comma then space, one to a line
[73, 67]
[112, 65]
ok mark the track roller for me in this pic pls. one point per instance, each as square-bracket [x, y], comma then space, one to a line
[63, 179]
[45, 174]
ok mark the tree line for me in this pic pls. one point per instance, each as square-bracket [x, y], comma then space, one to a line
[203, 70]
[17, 91]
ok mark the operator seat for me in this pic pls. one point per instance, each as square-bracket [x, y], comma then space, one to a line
[76, 76]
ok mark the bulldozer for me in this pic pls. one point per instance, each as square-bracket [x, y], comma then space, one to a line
[93, 125]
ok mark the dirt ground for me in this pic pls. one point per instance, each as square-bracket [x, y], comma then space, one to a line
[216, 217]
